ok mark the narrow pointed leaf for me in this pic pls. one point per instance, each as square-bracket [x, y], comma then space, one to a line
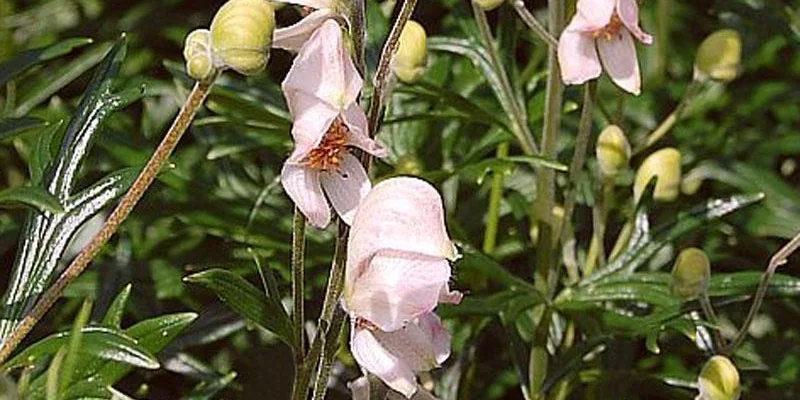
[35, 197]
[11, 127]
[23, 61]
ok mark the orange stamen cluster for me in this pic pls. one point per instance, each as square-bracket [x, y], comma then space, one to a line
[611, 30]
[326, 156]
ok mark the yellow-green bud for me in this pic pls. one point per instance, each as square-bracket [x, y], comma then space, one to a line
[664, 164]
[411, 59]
[613, 151]
[719, 56]
[488, 5]
[719, 380]
[197, 52]
[408, 165]
[241, 35]
[690, 274]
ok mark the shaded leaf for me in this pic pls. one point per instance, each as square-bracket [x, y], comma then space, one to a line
[23, 61]
[35, 197]
[11, 127]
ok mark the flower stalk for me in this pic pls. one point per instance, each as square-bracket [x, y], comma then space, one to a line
[298, 280]
[534, 24]
[495, 197]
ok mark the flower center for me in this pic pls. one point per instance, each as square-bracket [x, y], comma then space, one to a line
[611, 30]
[326, 156]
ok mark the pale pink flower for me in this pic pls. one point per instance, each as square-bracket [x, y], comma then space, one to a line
[397, 272]
[321, 90]
[606, 27]
[292, 37]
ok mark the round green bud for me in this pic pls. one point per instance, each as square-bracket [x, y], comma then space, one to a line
[690, 274]
[241, 35]
[411, 59]
[719, 380]
[408, 165]
[664, 164]
[488, 5]
[613, 151]
[719, 56]
[197, 52]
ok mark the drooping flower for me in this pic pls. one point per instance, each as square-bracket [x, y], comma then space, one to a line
[292, 37]
[397, 272]
[321, 90]
[606, 27]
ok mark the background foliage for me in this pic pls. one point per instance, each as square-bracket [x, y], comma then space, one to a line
[219, 204]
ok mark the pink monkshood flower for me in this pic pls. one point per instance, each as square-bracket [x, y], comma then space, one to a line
[397, 272]
[292, 37]
[321, 90]
[607, 27]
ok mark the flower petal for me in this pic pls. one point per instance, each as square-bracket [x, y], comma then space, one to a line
[346, 187]
[438, 336]
[312, 118]
[593, 14]
[373, 357]
[323, 68]
[360, 388]
[628, 11]
[577, 57]
[395, 288]
[294, 36]
[414, 345]
[403, 214]
[356, 121]
[619, 59]
[303, 187]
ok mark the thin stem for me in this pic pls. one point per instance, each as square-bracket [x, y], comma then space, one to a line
[298, 269]
[123, 209]
[382, 72]
[776, 261]
[545, 179]
[597, 251]
[519, 119]
[534, 24]
[711, 316]
[579, 156]
[666, 125]
[495, 197]
[329, 349]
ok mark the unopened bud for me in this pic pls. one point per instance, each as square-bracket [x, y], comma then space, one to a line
[197, 52]
[690, 274]
[411, 59]
[719, 56]
[488, 5]
[613, 151]
[241, 35]
[408, 165]
[719, 380]
[664, 164]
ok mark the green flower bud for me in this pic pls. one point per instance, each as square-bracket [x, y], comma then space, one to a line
[690, 274]
[408, 165]
[241, 35]
[664, 164]
[719, 56]
[197, 52]
[411, 59]
[613, 151]
[488, 5]
[719, 380]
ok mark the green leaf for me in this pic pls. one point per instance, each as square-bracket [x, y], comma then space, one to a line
[35, 197]
[113, 317]
[12, 127]
[20, 63]
[97, 342]
[476, 261]
[246, 300]
[591, 296]
[207, 389]
[739, 283]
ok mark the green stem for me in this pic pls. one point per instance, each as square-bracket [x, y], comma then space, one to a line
[666, 125]
[329, 350]
[776, 261]
[711, 316]
[534, 24]
[146, 177]
[517, 115]
[495, 197]
[298, 272]
[597, 252]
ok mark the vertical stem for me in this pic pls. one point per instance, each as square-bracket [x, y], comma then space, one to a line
[546, 176]
[711, 316]
[597, 252]
[495, 196]
[298, 267]
[534, 24]
[666, 125]
[123, 209]
[663, 21]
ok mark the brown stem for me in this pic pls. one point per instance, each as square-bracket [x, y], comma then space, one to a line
[135, 192]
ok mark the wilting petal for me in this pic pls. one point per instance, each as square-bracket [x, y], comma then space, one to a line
[324, 69]
[310, 3]
[593, 14]
[619, 59]
[303, 187]
[577, 57]
[346, 187]
[413, 346]
[403, 214]
[374, 358]
[359, 388]
[395, 288]
[628, 11]
[312, 118]
[356, 121]
[294, 36]
[438, 336]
